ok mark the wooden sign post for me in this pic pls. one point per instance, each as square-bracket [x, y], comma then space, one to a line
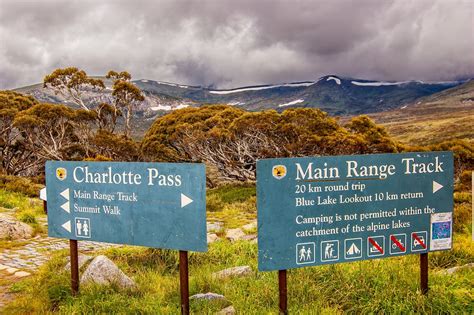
[424, 273]
[74, 266]
[283, 292]
[184, 281]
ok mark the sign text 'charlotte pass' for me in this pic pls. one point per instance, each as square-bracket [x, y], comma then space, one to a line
[158, 205]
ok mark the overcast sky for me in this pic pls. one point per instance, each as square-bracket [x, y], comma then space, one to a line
[235, 43]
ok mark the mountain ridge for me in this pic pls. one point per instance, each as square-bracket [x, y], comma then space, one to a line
[337, 95]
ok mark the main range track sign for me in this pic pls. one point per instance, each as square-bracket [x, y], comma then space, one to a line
[325, 210]
[159, 205]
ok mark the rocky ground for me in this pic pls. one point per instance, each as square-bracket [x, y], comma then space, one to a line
[22, 261]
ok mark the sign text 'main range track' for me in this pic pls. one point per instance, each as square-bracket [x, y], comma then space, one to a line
[324, 210]
[158, 205]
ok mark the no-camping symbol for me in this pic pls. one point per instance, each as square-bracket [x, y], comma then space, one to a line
[375, 246]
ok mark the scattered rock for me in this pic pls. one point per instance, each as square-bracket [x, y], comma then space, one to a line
[209, 296]
[11, 270]
[83, 259]
[11, 228]
[251, 226]
[212, 237]
[103, 271]
[215, 226]
[234, 234]
[3, 267]
[240, 271]
[22, 274]
[249, 237]
[452, 270]
[229, 310]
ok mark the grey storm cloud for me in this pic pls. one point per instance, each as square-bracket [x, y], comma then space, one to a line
[233, 43]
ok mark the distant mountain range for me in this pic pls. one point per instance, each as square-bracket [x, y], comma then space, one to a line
[333, 94]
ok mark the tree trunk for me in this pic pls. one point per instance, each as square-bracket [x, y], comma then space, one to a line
[127, 121]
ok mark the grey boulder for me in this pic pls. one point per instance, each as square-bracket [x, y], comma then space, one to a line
[103, 271]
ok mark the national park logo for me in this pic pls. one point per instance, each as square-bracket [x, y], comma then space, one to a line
[279, 171]
[61, 173]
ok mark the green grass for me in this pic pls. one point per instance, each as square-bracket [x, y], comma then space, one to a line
[235, 205]
[375, 286]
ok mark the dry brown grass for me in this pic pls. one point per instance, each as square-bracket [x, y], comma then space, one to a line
[443, 116]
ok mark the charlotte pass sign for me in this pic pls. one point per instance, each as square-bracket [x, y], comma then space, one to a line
[161, 205]
[324, 210]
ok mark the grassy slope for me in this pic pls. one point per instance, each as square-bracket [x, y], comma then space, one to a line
[443, 116]
[378, 286]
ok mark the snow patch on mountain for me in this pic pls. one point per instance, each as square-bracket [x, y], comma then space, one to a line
[265, 87]
[378, 83]
[235, 103]
[291, 103]
[168, 107]
[337, 80]
[172, 84]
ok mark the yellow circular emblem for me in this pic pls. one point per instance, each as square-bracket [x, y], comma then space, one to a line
[61, 173]
[279, 171]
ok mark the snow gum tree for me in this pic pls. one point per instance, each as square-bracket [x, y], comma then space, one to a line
[126, 95]
[71, 83]
[14, 158]
[232, 139]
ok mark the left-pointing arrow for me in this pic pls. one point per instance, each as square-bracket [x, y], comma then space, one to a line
[65, 193]
[185, 200]
[67, 226]
[66, 207]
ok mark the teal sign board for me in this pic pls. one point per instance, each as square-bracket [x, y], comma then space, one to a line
[325, 210]
[159, 205]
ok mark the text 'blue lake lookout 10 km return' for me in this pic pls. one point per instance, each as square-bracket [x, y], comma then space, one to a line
[324, 210]
[161, 205]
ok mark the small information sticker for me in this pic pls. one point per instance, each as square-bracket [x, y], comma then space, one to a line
[441, 231]
[326, 210]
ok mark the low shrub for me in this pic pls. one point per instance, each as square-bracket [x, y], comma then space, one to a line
[22, 185]
[27, 217]
[462, 217]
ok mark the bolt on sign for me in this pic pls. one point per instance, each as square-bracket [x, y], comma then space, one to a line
[326, 210]
[161, 205]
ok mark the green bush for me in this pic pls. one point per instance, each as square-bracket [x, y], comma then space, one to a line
[462, 197]
[465, 181]
[233, 193]
[462, 217]
[27, 217]
[214, 203]
[22, 185]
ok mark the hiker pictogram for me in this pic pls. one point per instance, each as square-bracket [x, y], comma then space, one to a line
[305, 253]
